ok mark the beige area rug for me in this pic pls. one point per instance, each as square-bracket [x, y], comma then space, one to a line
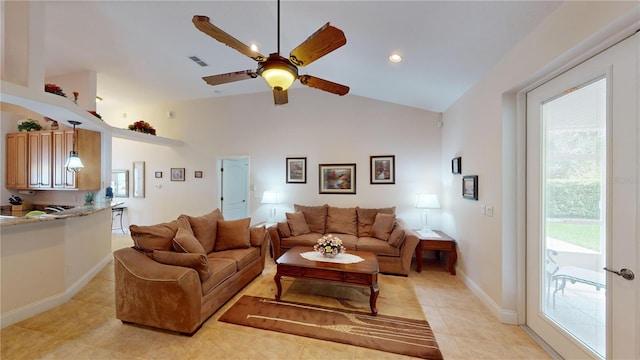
[381, 332]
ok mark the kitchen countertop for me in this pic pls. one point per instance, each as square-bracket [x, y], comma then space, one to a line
[74, 212]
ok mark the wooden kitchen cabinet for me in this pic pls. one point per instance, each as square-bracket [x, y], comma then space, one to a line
[17, 161]
[36, 159]
[88, 146]
[39, 159]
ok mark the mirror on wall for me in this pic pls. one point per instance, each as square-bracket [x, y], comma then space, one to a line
[120, 183]
[138, 179]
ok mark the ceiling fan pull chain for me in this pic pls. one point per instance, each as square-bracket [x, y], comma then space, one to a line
[278, 27]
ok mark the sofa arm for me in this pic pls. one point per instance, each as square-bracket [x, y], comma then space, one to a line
[408, 248]
[154, 294]
[274, 236]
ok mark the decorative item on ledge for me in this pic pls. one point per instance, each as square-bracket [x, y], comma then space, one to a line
[88, 198]
[329, 246]
[29, 125]
[54, 89]
[143, 127]
[96, 114]
[75, 97]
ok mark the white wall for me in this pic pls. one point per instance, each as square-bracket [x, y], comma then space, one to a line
[322, 127]
[480, 128]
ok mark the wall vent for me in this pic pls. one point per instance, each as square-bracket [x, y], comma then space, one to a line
[197, 60]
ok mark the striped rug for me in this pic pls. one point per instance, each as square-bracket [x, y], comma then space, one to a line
[386, 333]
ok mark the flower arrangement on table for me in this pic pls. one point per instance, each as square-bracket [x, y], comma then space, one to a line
[143, 127]
[329, 245]
[54, 89]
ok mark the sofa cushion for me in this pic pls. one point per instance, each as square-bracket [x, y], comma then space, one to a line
[308, 240]
[382, 226]
[297, 223]
[242, 257]
[154, 237]
[316, 216]
[380, 247]
[283, 229]
[342, 220]
[205, 228]
[256, 235]
[348, 241]
[396, 239]
[366, 217]
[186, 242]
[220, 269]
[198, 262]
[232, 234]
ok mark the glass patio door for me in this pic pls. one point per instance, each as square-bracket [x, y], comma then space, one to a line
[582, 134]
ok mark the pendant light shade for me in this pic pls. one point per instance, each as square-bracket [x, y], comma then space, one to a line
[73, 161]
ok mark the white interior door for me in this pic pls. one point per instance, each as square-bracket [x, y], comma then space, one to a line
[234, 188]
[582, 207]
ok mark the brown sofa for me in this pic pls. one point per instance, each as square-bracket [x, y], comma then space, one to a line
[179, 273]
[375, 230]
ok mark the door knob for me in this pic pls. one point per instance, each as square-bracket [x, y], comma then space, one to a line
[625, 273]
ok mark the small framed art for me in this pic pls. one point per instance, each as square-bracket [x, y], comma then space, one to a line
[456, 165]
[177, 174]
[470, 187]
[383, 169]
[297, 170]
[337, 178]
[198, 174]
[158, 174]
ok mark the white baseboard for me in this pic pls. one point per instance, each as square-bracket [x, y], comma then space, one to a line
[35, 308]
[504, 315]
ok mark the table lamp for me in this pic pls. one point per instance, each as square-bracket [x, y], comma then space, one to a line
[426, 202]
[270, 197]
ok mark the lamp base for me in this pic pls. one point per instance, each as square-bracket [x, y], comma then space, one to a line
[427, 232]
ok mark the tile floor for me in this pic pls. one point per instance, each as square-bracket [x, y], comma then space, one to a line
[86, 327]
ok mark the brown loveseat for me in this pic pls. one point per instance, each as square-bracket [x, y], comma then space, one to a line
[375, 230]
[179, 273]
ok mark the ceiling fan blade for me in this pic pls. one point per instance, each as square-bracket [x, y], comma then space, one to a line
[280, 97]
[319, 44]
[325, 85]
[230, 77]
[203, 24]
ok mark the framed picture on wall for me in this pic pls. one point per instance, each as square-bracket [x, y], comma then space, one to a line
[337, 178]
[158, 174]
[470, 187]
[456, 165]
[297, 170]
[382, 169]
[198, 174]
[177, 174]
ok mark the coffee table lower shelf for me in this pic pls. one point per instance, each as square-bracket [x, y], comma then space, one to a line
[365, 274]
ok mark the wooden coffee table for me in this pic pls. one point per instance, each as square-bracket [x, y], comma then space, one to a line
[364, 273]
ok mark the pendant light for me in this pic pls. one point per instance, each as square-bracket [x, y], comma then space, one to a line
[73, 161]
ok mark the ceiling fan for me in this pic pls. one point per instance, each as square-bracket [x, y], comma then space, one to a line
[279, 72]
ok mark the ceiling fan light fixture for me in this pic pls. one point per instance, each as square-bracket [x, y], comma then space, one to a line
[278, 72]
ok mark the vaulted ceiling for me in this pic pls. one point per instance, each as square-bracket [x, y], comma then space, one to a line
[140, 49]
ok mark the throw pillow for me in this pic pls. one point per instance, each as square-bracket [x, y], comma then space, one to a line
[283, 229]
[154, 237]
[185, 241]
[232, 234]
[315, 216]
[198, 262]
[382, 226]
[297, 223]
[205, 228]
[366, 217]
[396, 239]
[342, 220]
[256, 235]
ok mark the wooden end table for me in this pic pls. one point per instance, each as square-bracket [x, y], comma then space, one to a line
[443, 243]
[364, 273]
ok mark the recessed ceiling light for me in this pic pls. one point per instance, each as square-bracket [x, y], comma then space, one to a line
[254, 47]
[395, 58]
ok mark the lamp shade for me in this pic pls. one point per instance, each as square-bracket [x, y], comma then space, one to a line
[73, 162]
[269, 197]
[427, 201]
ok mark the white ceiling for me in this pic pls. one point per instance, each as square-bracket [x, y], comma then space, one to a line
[140, 49]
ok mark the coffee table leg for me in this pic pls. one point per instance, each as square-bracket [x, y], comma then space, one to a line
[278, 285]
[373, 298]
